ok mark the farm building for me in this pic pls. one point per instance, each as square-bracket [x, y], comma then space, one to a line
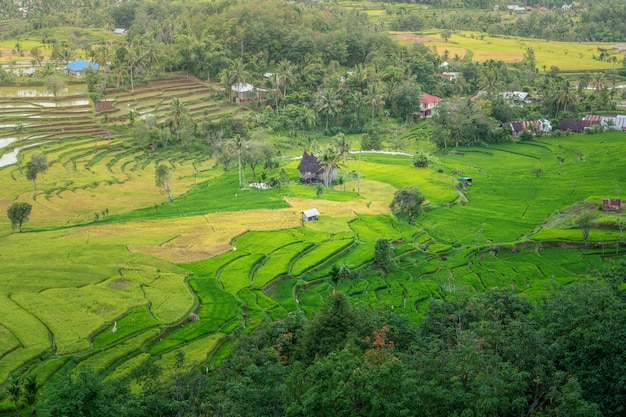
[517, 98]
[76, 68]
[571, 124]
[246, 92]
[611, 204]
[312, 171]
[466, 180]
[609, 122]
[310, 215]
[120, 31]
[536, 127]
[449, 75]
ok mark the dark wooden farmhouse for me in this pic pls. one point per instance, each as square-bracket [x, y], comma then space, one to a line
[310, 169]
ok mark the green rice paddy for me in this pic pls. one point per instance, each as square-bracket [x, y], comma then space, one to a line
[222, 260]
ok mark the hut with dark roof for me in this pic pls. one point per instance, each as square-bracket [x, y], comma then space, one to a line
[310, 169]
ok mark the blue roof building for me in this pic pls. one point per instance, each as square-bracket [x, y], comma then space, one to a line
[77, 67]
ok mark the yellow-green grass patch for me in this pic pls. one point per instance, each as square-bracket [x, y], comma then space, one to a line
[137, 320]
[170, 299]
[73, 314]
[8, 341]
[101, 361]
[567, 56]
[125, 369]
[195, 352]
[278, 262]
[372, 228]
[236, 275]
[318, 255]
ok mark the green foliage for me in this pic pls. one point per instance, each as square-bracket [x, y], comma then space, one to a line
[407, 202]
[382, 255]
[18, 213]
[38, 164]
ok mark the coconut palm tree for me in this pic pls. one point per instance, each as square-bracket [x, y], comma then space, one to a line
[565, 96]
[342, 147]
[176, 116]
[375, 99]
[103, 56]
[330, 160]
[237, 146]
[285, 72]
[597, 81]
[359, 77]
[308, 117]
[357, 99]
[327, 103]
[234, 74]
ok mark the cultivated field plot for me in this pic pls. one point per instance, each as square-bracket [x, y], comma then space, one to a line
[567, 56]
[202, 100]
[110, 273]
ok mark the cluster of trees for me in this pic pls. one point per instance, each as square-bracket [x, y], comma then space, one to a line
[331, 68]
[490, 354]
[588, 21]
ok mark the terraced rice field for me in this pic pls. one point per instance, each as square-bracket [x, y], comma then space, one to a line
[108, 273]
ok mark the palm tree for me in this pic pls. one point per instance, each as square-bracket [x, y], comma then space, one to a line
[342, 147]
[237, 146]
[565, 96]
[308, 118]
[330, 160]
[176, 116]
[375, 100]
[14, 389]
[30, 391]
[103, 56]
[234, 74]
[597, 81]
[327, 102]
[359, 77]
[285, 74]
[357, 99]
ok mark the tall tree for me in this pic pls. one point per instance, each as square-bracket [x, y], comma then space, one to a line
[177, 116]
[407, 202]
[330, 160]
[235, 73]
[18, 213]
[286, 74]
[328, 102]
[55, 85]
[163, 180]
[585, 222]
[38, 164]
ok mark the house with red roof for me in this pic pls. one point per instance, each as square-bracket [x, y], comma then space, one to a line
[428, 103]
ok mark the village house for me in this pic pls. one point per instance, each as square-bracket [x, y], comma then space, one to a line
[617, 122]
[428, 103]
[246, 92]
[571, 124]
[536, 127]
[76, 68]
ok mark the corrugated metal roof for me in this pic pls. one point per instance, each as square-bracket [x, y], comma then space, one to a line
[81, 64]
[311, 212]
